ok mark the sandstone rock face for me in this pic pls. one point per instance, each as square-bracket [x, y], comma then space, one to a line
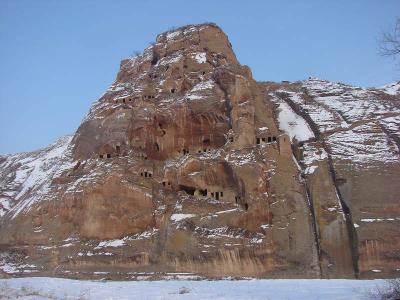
[353, 138]
[187, 165]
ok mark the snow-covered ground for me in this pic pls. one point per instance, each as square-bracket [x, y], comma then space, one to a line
[55, 288]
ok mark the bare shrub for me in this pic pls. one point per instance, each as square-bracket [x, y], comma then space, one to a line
[135, 54]
[390, 41]
[184, 290]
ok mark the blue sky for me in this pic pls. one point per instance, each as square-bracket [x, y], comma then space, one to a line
[57, 57]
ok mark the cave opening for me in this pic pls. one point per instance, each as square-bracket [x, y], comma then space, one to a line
[188, 189]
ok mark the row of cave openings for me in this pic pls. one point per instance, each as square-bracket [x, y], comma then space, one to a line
[201, 192]
[147, 97]
[203, 150]
[259, 140]
[269, 139]
[217, 195]
[146, 174]
[127, 100]
[186, 151]
[144, 97]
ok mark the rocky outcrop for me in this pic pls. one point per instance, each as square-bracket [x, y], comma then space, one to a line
[353, 139]
[186, 165]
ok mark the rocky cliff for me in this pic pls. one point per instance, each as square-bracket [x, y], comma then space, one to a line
[186, 166]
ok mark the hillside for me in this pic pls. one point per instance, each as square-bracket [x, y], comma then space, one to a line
[186, 166]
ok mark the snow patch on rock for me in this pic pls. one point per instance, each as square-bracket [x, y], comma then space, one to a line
[200, 57]
[180, 217]
[291, 123]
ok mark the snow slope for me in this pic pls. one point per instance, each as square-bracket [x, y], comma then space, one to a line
[391, 89]
[55, 288]
[359, 125]
[291, 123]
[24, 177]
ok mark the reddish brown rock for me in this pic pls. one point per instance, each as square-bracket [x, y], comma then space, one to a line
[178, 167]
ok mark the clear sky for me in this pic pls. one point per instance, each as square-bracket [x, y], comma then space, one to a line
[57, 57]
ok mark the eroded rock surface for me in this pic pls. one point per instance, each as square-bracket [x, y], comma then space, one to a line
[353, 138]
[188, 167]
